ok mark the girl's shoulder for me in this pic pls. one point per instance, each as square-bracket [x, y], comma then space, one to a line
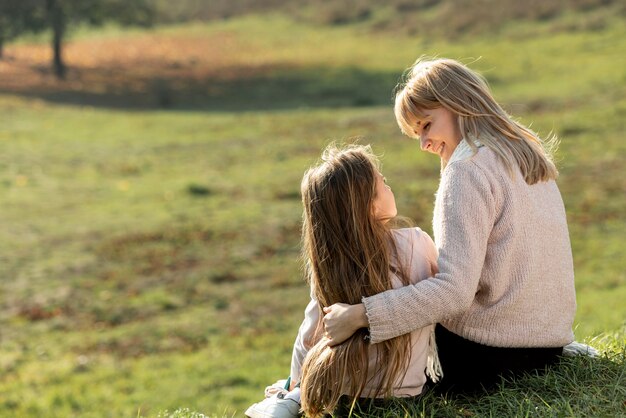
[414, 241]
[401, 235]
[416, 251]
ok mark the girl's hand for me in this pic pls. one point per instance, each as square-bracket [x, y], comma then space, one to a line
[342, 320]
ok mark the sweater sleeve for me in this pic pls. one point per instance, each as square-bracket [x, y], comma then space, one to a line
[463, 220]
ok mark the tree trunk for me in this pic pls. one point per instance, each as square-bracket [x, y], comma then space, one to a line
[57, 20]
[59, 66]
[5, 32]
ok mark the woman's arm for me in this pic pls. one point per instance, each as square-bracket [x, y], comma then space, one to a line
[342, 320]
[464, 216]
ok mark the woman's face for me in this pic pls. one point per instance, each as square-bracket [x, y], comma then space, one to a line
[384, 202]
[439, 132]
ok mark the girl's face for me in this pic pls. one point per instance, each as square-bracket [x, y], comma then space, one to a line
[384, 202]
[439, 132]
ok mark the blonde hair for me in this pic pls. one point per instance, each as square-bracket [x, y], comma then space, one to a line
[348, 255]
[434, 83]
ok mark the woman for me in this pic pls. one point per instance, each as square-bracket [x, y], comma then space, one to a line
[504, 296]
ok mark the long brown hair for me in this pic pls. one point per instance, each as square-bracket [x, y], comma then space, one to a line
[348, 255]
[447, 83]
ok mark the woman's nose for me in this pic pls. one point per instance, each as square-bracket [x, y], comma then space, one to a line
[425, 143]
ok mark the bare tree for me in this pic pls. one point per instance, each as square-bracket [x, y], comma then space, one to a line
[58, 16]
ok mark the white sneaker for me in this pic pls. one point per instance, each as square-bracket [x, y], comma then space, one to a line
[277, 406]
[579, 349]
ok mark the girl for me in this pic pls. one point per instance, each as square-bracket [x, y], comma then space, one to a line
[504, 295]
[350, 252]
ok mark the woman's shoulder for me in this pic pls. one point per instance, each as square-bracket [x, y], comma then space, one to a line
[485, 163]
[482, 159]
[482, 171]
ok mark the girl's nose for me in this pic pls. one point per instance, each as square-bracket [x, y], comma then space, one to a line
[425, 143]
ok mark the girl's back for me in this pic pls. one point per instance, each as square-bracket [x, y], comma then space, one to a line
[350, 252]
[417, 255]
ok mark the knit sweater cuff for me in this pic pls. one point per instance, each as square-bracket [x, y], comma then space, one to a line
[381, 324]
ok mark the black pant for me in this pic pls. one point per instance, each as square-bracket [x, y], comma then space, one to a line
[469, 367]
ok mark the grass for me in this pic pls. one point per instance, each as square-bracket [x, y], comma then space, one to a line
[576, 387]
[151, 217]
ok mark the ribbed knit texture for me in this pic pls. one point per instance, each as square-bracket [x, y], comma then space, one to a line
[506, 275]
[417, 252]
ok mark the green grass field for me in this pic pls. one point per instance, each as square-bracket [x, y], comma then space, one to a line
[150, 256]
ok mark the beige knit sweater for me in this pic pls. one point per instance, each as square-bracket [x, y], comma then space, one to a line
[506, 276]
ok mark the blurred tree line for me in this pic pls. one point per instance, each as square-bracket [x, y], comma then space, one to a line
[447, 18]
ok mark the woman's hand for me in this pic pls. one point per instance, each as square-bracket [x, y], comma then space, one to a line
[342, 320]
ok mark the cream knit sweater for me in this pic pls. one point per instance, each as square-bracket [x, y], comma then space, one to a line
[506, 275]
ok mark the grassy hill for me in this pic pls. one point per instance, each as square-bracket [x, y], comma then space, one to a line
[150, 202]
[448, 18]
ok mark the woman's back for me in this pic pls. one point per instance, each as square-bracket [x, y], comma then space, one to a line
[525, 293]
